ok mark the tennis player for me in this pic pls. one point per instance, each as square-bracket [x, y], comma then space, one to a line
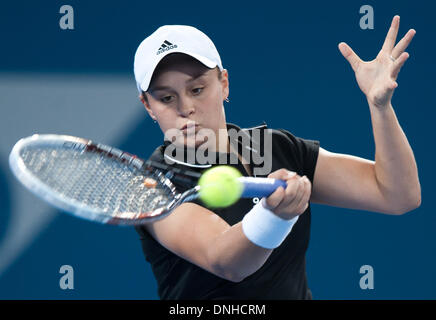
[255, 249]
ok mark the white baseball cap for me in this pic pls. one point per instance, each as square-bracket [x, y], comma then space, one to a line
[170, 39]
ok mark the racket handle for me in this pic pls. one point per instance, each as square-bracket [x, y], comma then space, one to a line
[260, 187]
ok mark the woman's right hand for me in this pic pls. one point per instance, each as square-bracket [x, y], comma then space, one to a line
[292, 201]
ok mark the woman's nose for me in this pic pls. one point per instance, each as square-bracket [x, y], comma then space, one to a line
[186, 107]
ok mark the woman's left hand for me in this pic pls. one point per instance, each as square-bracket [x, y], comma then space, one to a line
[377, 78]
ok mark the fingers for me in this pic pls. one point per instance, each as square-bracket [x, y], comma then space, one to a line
[293, 200]
[350, 55]
[274, 200]
[291, 194]
[391, 37]
[304, 201]
[277, 196]
[282, 174]
[403, 44]
[294, 197]
[398, 64]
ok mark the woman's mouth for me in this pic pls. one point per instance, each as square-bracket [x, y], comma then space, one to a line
[190, 128]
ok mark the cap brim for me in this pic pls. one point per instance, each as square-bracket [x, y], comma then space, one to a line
[207, 62]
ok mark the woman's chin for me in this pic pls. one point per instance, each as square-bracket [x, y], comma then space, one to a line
[192, 142]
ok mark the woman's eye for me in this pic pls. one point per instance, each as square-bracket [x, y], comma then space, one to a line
[166, 99]
[197, 90]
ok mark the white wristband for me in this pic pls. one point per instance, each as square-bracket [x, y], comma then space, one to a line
[264, 228]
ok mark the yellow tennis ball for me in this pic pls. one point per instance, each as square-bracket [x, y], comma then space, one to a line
[219, 186]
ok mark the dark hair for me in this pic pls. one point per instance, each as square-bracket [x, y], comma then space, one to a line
[216, 68]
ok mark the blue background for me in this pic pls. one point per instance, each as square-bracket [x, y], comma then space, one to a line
[285, 69]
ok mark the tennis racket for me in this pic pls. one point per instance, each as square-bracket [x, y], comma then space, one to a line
[104, 184]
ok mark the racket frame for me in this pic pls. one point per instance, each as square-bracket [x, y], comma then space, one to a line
[30, 181]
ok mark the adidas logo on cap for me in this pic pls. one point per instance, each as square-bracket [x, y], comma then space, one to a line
[165, 46]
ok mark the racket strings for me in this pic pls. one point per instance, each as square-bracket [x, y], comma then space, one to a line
[95, 181]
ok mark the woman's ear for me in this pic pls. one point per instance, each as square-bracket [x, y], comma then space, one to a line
[146, 104]
[225, 83]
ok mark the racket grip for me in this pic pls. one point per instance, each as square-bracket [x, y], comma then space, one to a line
[260, 187]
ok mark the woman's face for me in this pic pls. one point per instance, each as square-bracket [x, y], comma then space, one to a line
[186, 96]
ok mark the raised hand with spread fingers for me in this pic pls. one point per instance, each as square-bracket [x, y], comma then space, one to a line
[378, 78]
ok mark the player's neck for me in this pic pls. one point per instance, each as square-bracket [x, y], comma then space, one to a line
[222, 142]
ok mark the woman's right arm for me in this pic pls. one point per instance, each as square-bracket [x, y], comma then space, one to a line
[201, 237]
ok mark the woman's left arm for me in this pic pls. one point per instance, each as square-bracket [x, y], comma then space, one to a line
[390, 184]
